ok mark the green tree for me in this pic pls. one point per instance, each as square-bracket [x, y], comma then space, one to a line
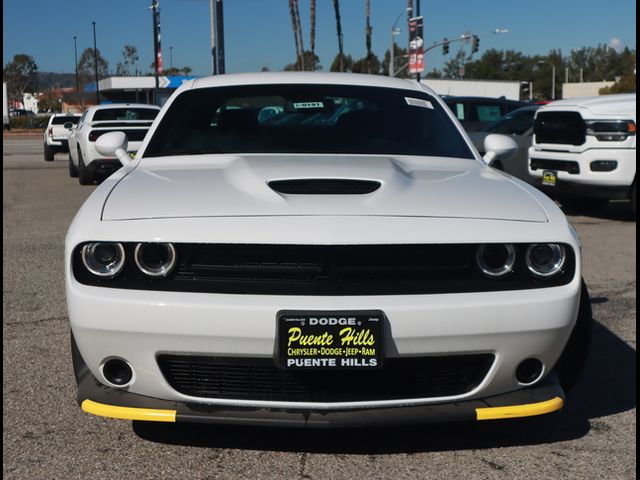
[86, 66]
[400, 59]
[625, 84]
[310, 62]
[347, 63]
[20, 75]
[129, 61]
[367, 64]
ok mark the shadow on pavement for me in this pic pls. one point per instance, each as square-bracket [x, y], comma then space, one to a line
[614, 210]
[608, 386]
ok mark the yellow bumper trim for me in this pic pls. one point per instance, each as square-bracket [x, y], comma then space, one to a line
[514, 411]
[128, 413]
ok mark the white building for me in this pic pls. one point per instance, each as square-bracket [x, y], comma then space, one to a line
[475, 88]
[583, 89]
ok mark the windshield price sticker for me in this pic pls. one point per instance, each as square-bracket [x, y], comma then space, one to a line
[330, 340]
[301, 105]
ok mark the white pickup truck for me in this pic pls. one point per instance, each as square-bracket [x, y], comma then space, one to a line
[56, 136]
[584, 150]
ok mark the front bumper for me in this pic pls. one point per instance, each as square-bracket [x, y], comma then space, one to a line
[97, 399]
[611, 184]
[137, 326]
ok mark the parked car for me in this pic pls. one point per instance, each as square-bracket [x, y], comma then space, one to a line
[367, 270]
[21, 112]
[56, 136]
[518, 124]
[584, 150]
[85, 162]
[476, 113]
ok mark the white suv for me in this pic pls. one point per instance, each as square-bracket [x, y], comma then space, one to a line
[584, 150]
[56, 136]
[84, 160]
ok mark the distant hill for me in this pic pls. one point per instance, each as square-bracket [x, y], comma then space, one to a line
[47, 80]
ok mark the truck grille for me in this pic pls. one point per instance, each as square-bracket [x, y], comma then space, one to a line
[259, 379]
[557, 165]
[564, 128]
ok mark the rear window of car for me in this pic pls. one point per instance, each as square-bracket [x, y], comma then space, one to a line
[488, 113]
[125, 114]
[514, 123]
[62, 120]
[323, 119]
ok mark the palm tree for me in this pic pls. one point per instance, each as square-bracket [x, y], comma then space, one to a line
[368, 34]
[295, 20]
[336, 6]
[312, 20]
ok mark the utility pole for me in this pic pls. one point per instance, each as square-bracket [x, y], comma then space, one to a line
[154, 17]
[417, 15]
[217, 36]
[95, 63]
[75, 49]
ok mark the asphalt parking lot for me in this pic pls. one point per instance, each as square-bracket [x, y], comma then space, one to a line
[46, 435]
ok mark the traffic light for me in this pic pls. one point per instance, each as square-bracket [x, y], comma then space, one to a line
[475, 42]
[445, 47]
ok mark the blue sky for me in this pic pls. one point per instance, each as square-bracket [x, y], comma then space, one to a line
[258, 32]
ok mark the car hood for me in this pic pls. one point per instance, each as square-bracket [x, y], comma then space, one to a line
[238, 186]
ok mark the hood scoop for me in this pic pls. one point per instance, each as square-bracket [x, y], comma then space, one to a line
[324, 186]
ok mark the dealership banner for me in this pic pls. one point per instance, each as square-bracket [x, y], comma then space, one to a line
[416, 45]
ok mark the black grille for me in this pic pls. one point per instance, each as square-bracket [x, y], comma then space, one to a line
[259, 379]
[324, 186]
[565, 128]
[133, 135]
[325, 270]
[558, 165]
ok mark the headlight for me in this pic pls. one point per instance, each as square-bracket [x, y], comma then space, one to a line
[104, 259]
[496, 260]
[155, 259]
[545, 259]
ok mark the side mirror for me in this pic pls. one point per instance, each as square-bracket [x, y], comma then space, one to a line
[499, 147]
[68, 125]
[114, 144]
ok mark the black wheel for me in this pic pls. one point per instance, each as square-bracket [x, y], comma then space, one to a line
[84, 175]
[73, 171]
[48, 153]
[582, 204]
[632, 197]
[574, 357]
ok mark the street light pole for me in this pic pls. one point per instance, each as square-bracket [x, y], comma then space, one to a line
[395, 32]
[95, 63]
[75, 50]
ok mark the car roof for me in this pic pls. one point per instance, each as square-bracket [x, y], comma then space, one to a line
[108, 106]
[320, 78]
[470, 97]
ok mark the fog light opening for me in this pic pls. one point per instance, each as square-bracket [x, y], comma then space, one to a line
[117, 372]
[529, 371]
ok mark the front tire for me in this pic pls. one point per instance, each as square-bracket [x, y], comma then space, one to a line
[574, 357]
[632, 197]
[84, 175]
[49, 154]
[73, 171]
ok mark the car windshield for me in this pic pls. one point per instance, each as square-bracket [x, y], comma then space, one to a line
[323, 119]
[125, 114]
[62, 120]
[514, 123]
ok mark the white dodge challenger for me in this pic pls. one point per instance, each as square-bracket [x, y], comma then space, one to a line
[320, 250]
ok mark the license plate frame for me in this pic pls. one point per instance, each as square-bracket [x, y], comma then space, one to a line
[322, 341]
[549, 178]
